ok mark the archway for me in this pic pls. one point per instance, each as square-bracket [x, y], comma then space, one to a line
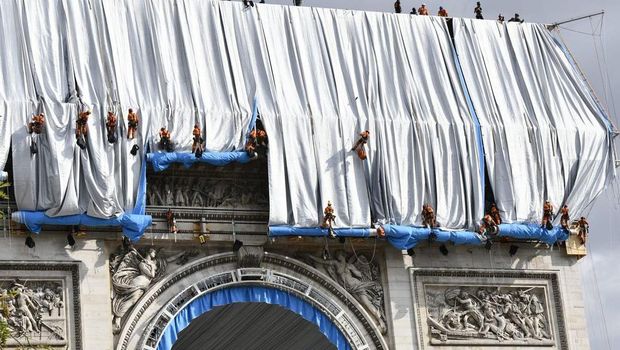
[147, 324]
[250, 325]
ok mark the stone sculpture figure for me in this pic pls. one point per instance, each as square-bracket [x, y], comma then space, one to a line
[132, 274]
[25, 308]
[358, 280]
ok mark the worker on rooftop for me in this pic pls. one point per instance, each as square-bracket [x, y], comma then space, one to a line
[297, 2]
[478, 11]
[413, 11]
[442, 12]
[423, 11]
[500, 18]
[516, 18]
[397, 7]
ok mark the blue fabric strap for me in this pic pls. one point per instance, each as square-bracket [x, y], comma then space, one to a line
[406, 237]
[279, 231]
[162, 160]
[133, 225]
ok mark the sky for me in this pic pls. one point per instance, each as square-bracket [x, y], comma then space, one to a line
[595, 55]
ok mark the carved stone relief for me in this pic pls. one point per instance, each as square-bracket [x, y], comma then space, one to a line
[204, 192]
[493, 314]
[359, 276]
[39, 305]
[488, 308]
[134, 270]
[34, 311]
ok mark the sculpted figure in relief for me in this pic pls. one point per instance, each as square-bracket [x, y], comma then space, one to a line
[360, 278]
[132, 274]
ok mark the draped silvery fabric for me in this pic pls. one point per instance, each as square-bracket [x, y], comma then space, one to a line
[545, 137]
[320, 77]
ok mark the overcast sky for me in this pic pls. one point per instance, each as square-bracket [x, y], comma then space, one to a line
[601, 288]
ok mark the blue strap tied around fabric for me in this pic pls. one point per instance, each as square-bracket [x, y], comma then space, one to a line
[162, 160]
[282, 231]
[407, 237]
[133, 225]
[533, 232]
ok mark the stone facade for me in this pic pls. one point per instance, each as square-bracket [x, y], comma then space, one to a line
[555, 276]
[110, 295]
[91, 327]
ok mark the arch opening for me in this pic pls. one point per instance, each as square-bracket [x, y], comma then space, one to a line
[250, 294]
[250, 325]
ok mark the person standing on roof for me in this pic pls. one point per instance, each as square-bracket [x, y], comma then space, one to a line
[516, 18]
[297, 2]
[500, 18]
[423, 11]
[413, 11]
[478, 11]
[442, 12]
[397, 8]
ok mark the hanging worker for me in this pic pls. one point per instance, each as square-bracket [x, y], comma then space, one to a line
[488, 226]
[197, 147]
[547, 218]
[494, 212]
[442, 12]
[35, 127]
[329, 219]
[429, 219]
[584, 227]
[165, 144]
[413, 11]
[110, 125]
[132, 124]
[397, 8]
[478, 11]
[516, 18]
[81, 128]
[423, 11]
[359, 145]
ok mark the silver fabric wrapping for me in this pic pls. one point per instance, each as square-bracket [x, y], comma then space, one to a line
[320, 77]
